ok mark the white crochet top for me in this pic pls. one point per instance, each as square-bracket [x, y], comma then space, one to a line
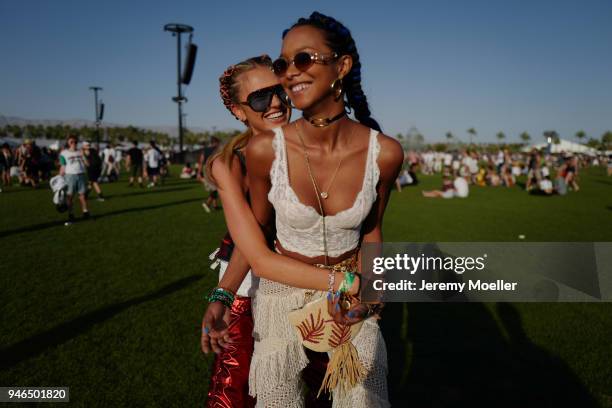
[299, 227]
[278, 356]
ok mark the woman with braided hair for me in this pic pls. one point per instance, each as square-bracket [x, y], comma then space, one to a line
[251, 92]
[266, 107]
[327, 179]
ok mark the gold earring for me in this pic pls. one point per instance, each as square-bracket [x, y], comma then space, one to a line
[336, 86]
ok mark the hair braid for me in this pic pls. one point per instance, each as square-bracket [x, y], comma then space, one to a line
[340, 40]
[229, 88]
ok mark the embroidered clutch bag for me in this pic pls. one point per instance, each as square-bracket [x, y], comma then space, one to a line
[317, 328]
[319, 332]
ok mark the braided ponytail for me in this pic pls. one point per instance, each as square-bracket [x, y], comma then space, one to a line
[340, 40]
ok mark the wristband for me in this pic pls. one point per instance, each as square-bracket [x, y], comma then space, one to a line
[349, 278]
[225, 296]
[331, 280]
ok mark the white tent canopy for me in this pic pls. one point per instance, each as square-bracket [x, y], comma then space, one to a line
[564, 146]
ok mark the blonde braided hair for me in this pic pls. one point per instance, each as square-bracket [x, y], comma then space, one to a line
[229, 88]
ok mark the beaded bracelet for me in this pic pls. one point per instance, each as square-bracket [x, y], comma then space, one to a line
[218, 294]
[215, 297]
[331, 280]
[349, 278]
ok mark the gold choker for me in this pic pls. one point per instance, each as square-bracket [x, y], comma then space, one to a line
[322, 122]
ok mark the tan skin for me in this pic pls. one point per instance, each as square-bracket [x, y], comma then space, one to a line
[344, 140]
[244, 228]
[326, 145]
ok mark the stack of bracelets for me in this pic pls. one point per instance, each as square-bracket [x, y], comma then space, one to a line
[347, 282]
[345, 285]
[219, 294]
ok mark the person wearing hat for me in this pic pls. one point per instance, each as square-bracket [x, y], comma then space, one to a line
[73, 169]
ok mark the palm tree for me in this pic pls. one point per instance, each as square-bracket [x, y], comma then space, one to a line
[472, 132]
[501, 136]
[525, 137]
[580, 135]
[449, 136]
[15, 131]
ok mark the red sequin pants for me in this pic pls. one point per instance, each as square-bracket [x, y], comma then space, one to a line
[229, 383]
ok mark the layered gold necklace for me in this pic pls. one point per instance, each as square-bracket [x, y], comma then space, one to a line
[324, 194]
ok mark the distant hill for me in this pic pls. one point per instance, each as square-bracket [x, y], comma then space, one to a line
[171, 131]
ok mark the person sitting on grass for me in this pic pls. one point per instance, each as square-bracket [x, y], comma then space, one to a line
[506, 175]
[546, 186]
[481, 177]
[493, 178]
[73, 170]
[187, 172]
[407, 178]
[456, 188]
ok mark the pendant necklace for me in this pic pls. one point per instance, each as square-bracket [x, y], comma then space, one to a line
[325, 193]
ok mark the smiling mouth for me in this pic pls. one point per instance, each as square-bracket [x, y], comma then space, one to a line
[299, 88]
[275, 115]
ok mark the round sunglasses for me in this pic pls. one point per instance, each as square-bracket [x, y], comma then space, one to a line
[302, 61]
[261, 99]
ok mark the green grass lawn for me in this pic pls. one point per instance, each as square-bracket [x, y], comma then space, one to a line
[111, 307]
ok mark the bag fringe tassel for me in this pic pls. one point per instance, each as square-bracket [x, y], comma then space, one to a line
[344, 370]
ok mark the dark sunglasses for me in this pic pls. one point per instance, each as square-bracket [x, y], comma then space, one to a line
[302, 61]
[261, 99]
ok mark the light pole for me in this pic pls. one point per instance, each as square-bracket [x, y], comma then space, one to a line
[177, 30]
[99, 113]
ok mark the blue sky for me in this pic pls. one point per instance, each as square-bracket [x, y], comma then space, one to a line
[438, 65]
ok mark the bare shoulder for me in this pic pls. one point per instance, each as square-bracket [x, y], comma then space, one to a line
[260, 146]
[391, 154]
[224, 172]
[260, 154]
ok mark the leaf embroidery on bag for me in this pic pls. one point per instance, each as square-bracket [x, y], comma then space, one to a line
[341, 333]
[311, 329]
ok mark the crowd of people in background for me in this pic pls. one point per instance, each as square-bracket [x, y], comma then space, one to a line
[544, 173]
[81, 167]
[29, 165]
[540, 173]
[212, 201]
